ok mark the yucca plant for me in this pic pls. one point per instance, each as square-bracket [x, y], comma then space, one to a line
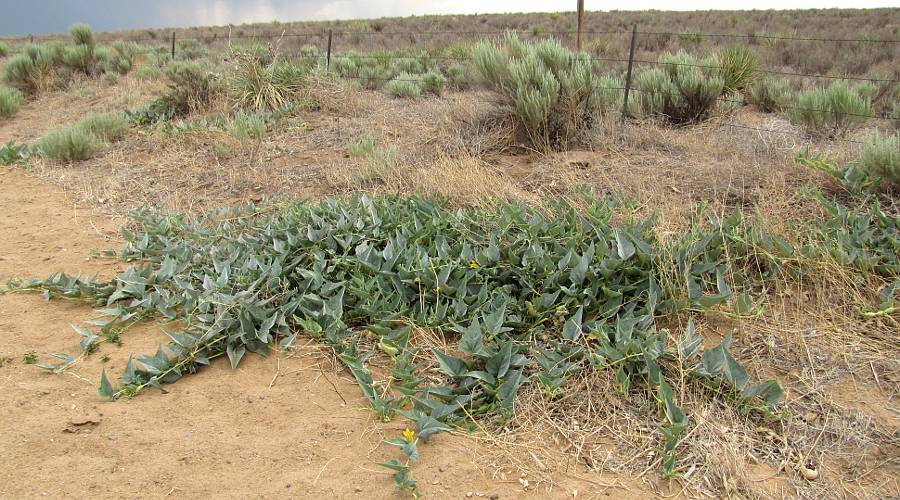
[833, 111]
[880, 158]
[771, 95]
[738, 68]
[551, 92]
[255, 85]
[10, 101]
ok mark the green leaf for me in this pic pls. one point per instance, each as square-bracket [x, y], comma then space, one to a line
[235, 354]
[427, 426]
[106, 389]
[624, 246]
[450, 365]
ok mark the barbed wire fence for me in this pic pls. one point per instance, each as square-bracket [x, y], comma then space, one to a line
[327, 41]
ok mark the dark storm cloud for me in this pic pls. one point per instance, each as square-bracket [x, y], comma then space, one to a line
[53, 16]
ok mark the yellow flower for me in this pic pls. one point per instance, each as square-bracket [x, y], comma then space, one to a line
[473, 264]
[409, 435]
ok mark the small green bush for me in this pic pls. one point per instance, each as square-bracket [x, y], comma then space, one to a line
[79, 58]
[831, 112]
[69, 144]
[880, 157]
[685, 90]
[433, 83]
[82, 35]
[405, 85]
[247, 127]
[550, 91]
[771, 95]
[5, 49]
[33, 70]
[105, 126]
[84, 139]
[738, 68]
[460, 75]
[190, 87]
[10, 101]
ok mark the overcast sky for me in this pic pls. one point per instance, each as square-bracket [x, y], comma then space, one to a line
[51, 16]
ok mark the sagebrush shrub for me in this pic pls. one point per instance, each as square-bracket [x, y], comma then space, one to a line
[684, 90]
[248, 126]
[771, 95]
[105, 126]
[832, 111]
[82, 35]
[79, 58]
[551, 92]
[33, 70]
[69, 144]
[190, 87]
[433, 83]
[405, 85]
[5, 49]
[84, 139]
[10, 101]
[880, 157]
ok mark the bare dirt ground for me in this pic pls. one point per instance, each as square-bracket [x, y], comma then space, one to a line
[289, 425]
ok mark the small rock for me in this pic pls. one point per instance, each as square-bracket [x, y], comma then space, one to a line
[469, 494]
[111, 436]
[442, 468]
[357, 489]
[494, 496]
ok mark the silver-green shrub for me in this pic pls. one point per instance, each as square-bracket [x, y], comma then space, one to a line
[685, 89]
[832, 111]
[880, 157]
[10, 101]
[771, 95]
[405, 85]
[551, 92]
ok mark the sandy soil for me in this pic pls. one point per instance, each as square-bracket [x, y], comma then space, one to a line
[283, 426]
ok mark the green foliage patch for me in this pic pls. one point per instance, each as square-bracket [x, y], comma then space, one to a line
[521, 295]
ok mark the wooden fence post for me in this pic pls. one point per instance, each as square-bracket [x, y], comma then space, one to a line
[628, 75]
[173, 45]
[328, 53]
[578, 42]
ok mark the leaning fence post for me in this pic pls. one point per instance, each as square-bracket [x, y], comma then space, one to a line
[328, 54]
[628, 75]
[173, 45]
[30, 38]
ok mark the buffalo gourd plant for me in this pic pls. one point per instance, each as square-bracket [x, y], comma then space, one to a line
[522, 296]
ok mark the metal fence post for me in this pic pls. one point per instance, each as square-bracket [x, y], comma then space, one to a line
[173, 45]
[328, 53]
[628, 75]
